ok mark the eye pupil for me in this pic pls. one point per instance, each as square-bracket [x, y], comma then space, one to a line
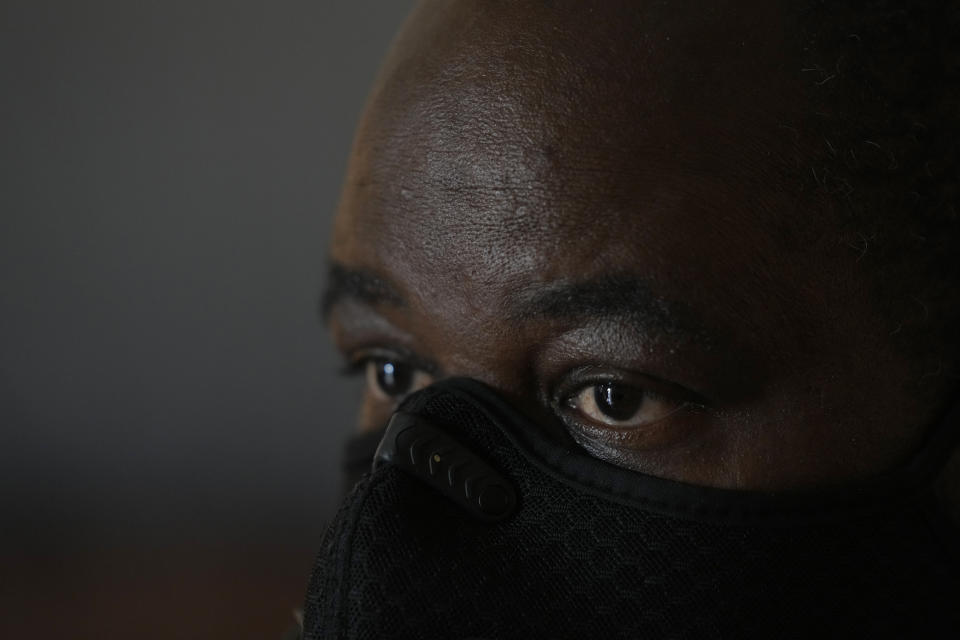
[616, 401]
[393, 378]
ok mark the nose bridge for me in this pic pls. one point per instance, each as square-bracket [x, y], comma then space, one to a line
[473, 335]
[493, 364]
[480, 339]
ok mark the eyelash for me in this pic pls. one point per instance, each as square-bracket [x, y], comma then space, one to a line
[571, 400]
[356, 363]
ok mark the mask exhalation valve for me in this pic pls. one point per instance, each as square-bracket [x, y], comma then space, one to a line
[432, 455]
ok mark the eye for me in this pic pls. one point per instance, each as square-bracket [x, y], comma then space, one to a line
[390, 379]
[618, 404]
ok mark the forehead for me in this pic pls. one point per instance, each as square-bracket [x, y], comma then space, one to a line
[501, 153]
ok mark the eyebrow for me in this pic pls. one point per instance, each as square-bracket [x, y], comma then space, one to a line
[344, 283]
[619, 296]
[616, 296]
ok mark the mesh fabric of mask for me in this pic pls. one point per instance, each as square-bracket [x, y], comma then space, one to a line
[594, 551]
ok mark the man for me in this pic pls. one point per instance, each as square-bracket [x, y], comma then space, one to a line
[705, 244]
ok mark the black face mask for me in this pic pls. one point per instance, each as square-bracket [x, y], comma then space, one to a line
[474, 525]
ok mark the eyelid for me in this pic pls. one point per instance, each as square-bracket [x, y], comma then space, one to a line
[586, 375]
[357, 359]
[611, 442]
[625, 426]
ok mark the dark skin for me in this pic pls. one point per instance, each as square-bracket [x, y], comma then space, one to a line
[593, 212]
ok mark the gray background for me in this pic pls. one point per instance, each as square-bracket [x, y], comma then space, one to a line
[170, 406]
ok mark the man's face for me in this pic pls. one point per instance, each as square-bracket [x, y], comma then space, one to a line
[599, 216]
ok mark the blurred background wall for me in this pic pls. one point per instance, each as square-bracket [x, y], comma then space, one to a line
[170, 409]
